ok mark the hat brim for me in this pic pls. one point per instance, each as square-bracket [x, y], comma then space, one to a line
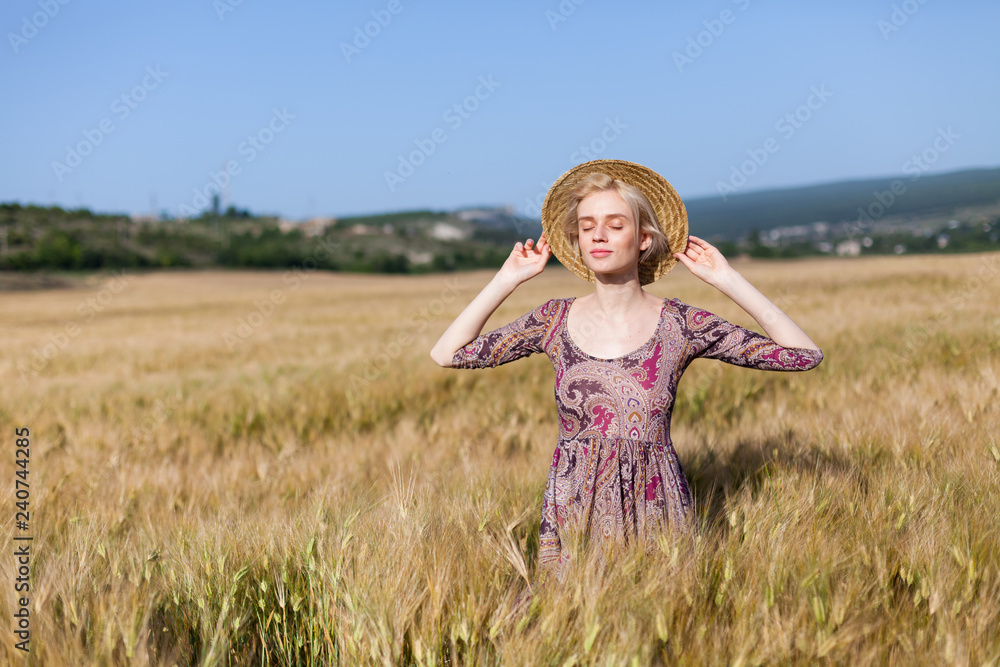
[667, 204]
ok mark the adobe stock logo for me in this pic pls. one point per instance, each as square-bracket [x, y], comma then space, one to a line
[699, 43]
[915, 167]
[218, 181]
[899, 17]
[565, 9]
[590, 150]
[223, 7]
[381, 18]
[57, 342]
[38, 20]
[122, 107]
[787, 125]
[455, 116]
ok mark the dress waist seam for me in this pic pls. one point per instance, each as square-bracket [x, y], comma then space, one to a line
[614, 438]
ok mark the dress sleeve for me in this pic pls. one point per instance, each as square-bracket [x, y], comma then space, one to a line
[712, 337]
[519, 338]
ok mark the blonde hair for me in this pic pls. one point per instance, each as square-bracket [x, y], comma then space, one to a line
[642, 213]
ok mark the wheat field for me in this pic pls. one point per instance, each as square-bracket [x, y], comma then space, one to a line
[267, 468]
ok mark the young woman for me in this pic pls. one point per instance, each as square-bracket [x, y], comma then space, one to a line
[619, 352]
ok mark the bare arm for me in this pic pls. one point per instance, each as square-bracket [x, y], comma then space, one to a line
[706, 262]
[781, 328]
[524, 263]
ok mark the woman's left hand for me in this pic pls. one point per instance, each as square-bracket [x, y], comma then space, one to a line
[704, 260]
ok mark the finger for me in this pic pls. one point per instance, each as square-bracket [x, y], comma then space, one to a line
[694, 264]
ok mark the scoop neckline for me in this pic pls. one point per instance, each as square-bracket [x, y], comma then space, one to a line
[648, 343]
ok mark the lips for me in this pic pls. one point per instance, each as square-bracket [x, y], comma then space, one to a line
[599, 253]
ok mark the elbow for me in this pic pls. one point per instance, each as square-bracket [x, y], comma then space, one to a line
[440, 359]
[801, 359]
[816, 358]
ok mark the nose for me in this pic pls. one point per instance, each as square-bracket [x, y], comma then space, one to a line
[600, 233]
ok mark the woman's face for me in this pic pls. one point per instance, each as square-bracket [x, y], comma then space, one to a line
[607, 234]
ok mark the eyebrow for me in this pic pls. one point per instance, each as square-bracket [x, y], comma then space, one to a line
[591, 218]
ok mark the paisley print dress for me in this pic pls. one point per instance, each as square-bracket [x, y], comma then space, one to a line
[614, 473]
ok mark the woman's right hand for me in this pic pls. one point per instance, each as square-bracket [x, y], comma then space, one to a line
[526, 261]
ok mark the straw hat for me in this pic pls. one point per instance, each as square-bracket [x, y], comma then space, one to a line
[667, 204]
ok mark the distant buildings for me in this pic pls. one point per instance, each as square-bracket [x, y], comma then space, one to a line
[311, 227]
[849, 248]
[781, 236]
[316, 226]
[445, 232]
[481, 214]
[417, 257]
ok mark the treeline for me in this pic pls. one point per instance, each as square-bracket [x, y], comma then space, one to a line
[33, 238]
[956, 237]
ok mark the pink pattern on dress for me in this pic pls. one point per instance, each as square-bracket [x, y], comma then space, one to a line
[602, 418]
[651, 488]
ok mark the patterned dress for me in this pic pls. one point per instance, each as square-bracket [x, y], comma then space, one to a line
[614, 472]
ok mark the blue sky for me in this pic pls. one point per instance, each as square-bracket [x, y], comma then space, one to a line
[128, 107]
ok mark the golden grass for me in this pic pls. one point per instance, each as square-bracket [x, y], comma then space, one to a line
[321, 492]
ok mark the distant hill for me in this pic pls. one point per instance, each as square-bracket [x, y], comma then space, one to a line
[836, 202]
